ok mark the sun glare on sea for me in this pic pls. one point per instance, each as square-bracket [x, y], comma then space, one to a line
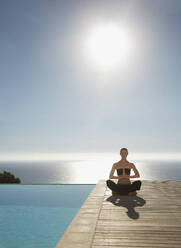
[108, 45]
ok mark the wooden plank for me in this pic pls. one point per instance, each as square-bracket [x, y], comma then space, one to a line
[151, 219]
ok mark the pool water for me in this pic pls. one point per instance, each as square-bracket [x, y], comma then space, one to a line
[36, 216]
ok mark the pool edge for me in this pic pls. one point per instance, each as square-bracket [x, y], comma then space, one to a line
[81, 230]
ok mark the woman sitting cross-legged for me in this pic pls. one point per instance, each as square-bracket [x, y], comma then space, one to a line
[124, 185]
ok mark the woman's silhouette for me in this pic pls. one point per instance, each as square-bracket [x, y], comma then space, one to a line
[124, 185]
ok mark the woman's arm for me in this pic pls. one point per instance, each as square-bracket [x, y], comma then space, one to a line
[136, 172]
[112, 172]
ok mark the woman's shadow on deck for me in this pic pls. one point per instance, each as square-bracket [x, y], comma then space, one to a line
[129, 202]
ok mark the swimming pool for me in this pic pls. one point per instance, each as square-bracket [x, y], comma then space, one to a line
[36, 216]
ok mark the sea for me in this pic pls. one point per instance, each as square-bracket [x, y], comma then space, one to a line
[89, 169]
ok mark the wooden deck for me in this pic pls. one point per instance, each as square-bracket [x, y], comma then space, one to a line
[152, 218]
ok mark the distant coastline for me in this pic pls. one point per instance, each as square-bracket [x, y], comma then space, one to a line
[7, 177]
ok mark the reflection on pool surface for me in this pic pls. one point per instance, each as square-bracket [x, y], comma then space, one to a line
[36, 216]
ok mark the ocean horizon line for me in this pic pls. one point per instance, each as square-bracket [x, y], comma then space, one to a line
[67, 156]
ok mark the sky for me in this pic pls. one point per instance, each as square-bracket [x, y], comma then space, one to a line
[54, 98]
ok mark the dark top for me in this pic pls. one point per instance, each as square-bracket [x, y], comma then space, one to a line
[120, 171]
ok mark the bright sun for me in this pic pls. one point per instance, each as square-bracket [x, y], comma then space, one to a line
[108, 45]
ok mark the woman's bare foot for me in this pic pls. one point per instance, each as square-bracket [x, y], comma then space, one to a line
[132, 193]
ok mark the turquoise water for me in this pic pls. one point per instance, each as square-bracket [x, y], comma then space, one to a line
[36, 216]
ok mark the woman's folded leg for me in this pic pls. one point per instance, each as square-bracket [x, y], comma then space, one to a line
[120, 189]
[112, 185]
[136, 185]
[123, 189]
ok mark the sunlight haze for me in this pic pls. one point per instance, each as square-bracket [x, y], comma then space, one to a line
[90, 76]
